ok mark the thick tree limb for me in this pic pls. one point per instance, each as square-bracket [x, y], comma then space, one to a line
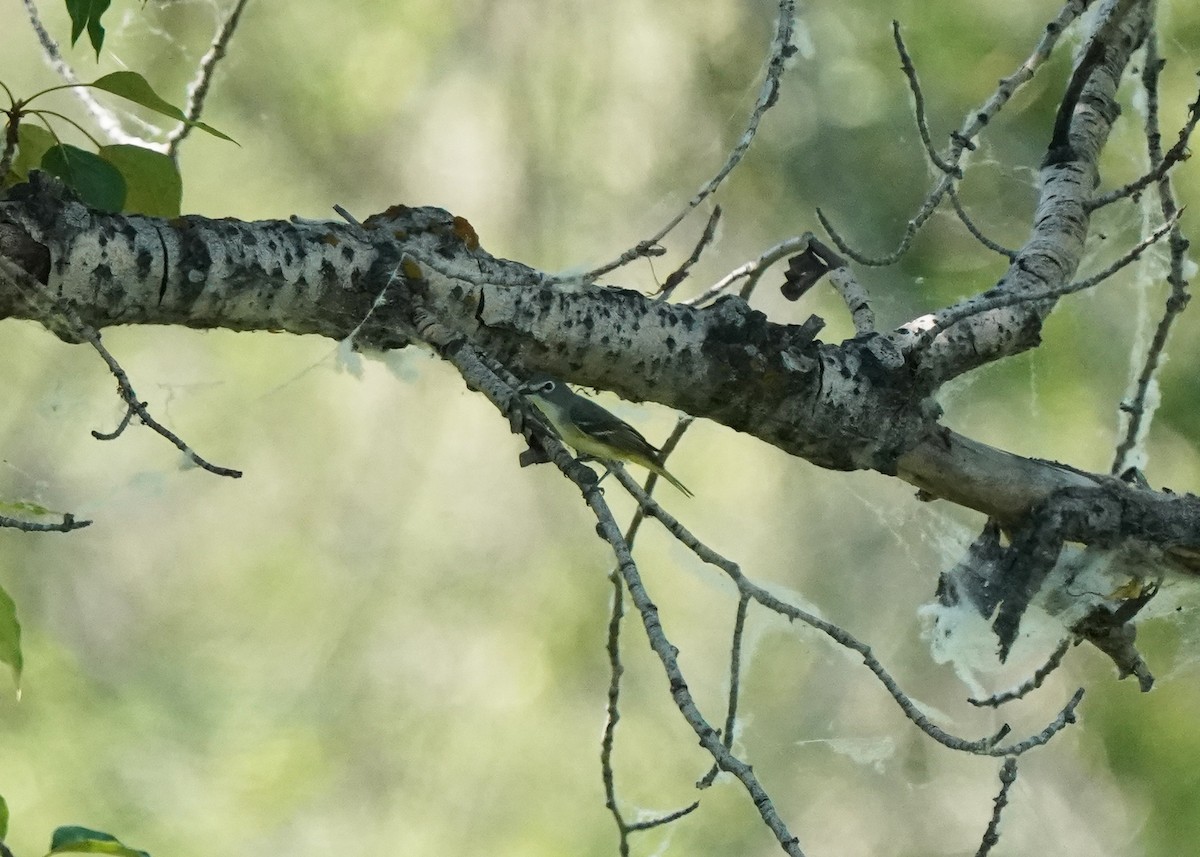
[851, 405]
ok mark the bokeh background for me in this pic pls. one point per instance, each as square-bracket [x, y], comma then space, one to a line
[387, 637]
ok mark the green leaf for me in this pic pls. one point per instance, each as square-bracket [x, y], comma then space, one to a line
[32, 143]
[26, 509]
[97, 182]
[132, 86]
[152, 182]
[10, 653]
[85, 14]
[85, 841]
[3, 817]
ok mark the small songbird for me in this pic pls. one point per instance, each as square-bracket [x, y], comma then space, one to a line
[590, 429]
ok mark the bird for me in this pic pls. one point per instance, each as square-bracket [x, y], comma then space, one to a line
[590, 429]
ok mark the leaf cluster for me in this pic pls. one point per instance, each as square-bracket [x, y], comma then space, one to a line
[117, 178]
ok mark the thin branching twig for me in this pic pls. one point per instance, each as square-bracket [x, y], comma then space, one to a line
[975, 231]
[1160, 163]
[735, 682]
[612, 646]
[676, 277]
[962, 140]
[477, 374]
[198, 89]
[66, 525]
[751, 271]
[64, 318]
[781, 50]
[138, 408]
[991, 836]
[987, 746]
[975, 306]
[1031, 684]
[1137, 418]
[612, 717]
[717, 742]
[680, 693]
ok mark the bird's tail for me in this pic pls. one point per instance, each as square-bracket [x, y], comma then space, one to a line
[662, 471]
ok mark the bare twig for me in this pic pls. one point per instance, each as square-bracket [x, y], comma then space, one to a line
[735, 681]
[781, 49]
[961, 141]
[479, 376]
[661, 820]
[1033, 683]
[1137, 418]
[975, 306]
[121, 426]
[975, 231]
[66, 320]
[1175, 155]
[667, 654]
[67, 524]
[617, 669]
[751, 271]
[612, 717]
[681, 273]
[139, 408]
[991, 837]
[612, 713]
[914, 85]
[198, 90]
[988, 746]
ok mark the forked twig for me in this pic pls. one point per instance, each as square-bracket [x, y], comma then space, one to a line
[135, 407]
[987, 746]
[975, 306]
[67, 321]
[612, 712]
[751, 271]
[962, 140]
[476, 373]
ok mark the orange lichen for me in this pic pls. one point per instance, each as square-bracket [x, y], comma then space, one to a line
[466, 233]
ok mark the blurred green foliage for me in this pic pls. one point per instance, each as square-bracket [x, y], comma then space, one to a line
[389, 638]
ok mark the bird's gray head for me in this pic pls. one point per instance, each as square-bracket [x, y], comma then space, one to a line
[540, 384]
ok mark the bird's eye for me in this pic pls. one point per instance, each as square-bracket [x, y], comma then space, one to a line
[546, 387]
